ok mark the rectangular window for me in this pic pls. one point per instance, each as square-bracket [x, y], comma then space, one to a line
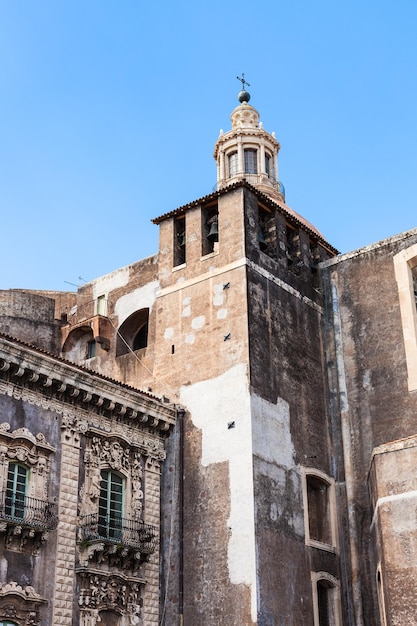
[267, 164]
[233, 164]
[17, 476]
[180, 243]
[319, 509]
[110, 506]
[251, 161]
[101, 305]
[209, 229]
[91, 349]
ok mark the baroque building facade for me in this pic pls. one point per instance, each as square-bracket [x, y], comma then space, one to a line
[276, 376]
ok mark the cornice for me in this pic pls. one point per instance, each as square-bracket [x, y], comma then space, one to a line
[59, 380]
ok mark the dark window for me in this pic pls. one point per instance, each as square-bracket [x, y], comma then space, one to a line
[141, 338]
[318, 510]
[17, 477]
[414, 274]
[91, 349]
[267, 164]
[326, 603]
[133, 333]
[180, 240]
[110, 506]
[251, 162]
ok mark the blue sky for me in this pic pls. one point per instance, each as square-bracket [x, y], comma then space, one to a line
[109, 112]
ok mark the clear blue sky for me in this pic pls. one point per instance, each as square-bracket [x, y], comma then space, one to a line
[109, 112]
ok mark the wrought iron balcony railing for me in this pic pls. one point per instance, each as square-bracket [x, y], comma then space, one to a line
[120, 530]
[30, 512]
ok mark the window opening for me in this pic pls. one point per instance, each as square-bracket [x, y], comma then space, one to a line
[210, 229]
[179, 241]
[251, 161]
[233, 164]
[325, 603]
[267, 234]
[91, 349]
[133, 333]
[141, 338]
[293, 249]
[414, 275]
[269, 166]
[17, 477]
[101, 305]
[110, 506]
[381, 599]
[318, 510]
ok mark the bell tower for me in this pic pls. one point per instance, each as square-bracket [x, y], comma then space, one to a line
[248, 151]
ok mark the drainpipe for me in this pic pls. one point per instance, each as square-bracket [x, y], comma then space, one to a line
[180, 416]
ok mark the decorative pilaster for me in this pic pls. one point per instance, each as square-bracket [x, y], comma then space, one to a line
[67, 527]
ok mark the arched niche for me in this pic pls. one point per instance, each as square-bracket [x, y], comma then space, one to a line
[133, 333]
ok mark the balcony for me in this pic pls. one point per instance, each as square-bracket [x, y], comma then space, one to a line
[25, 512]
[124, 532]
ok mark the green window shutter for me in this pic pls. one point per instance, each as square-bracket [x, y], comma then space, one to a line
[110, 506]
[17, 479]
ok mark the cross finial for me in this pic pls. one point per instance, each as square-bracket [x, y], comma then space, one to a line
[243, 81]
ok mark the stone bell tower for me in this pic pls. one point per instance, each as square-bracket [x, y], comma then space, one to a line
[238, 315]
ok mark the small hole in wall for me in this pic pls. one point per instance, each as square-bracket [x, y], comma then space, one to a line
[172, 349]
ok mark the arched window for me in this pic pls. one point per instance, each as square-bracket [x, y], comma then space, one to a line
[110, 505]
[251, 161]
[17, 479]
[326, 599]
[133, 333]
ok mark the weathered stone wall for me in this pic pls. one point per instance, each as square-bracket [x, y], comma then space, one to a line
[30, 317]
[289, 422]
[367, 373]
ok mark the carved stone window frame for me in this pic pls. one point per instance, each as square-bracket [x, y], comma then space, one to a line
[113, 453]
[333, 586]
[34, 453]
[20, 605]
[306, 473]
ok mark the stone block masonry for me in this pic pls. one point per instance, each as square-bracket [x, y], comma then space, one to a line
[66, 539]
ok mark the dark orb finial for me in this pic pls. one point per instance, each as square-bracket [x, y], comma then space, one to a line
[244, 96]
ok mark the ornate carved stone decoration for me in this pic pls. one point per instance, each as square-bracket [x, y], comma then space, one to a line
[28, 528]
[118, 594]
[20, 604]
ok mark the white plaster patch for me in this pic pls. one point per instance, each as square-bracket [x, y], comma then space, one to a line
[141, 298]
[218, 298]
[186, 301]
[169, 333]
[271, 432]
[210, 405]
[186, 312]
[198, 322]
[114, 280]
[190, 338]
[221, 314]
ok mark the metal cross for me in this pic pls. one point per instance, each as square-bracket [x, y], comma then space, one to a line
[243, 81]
